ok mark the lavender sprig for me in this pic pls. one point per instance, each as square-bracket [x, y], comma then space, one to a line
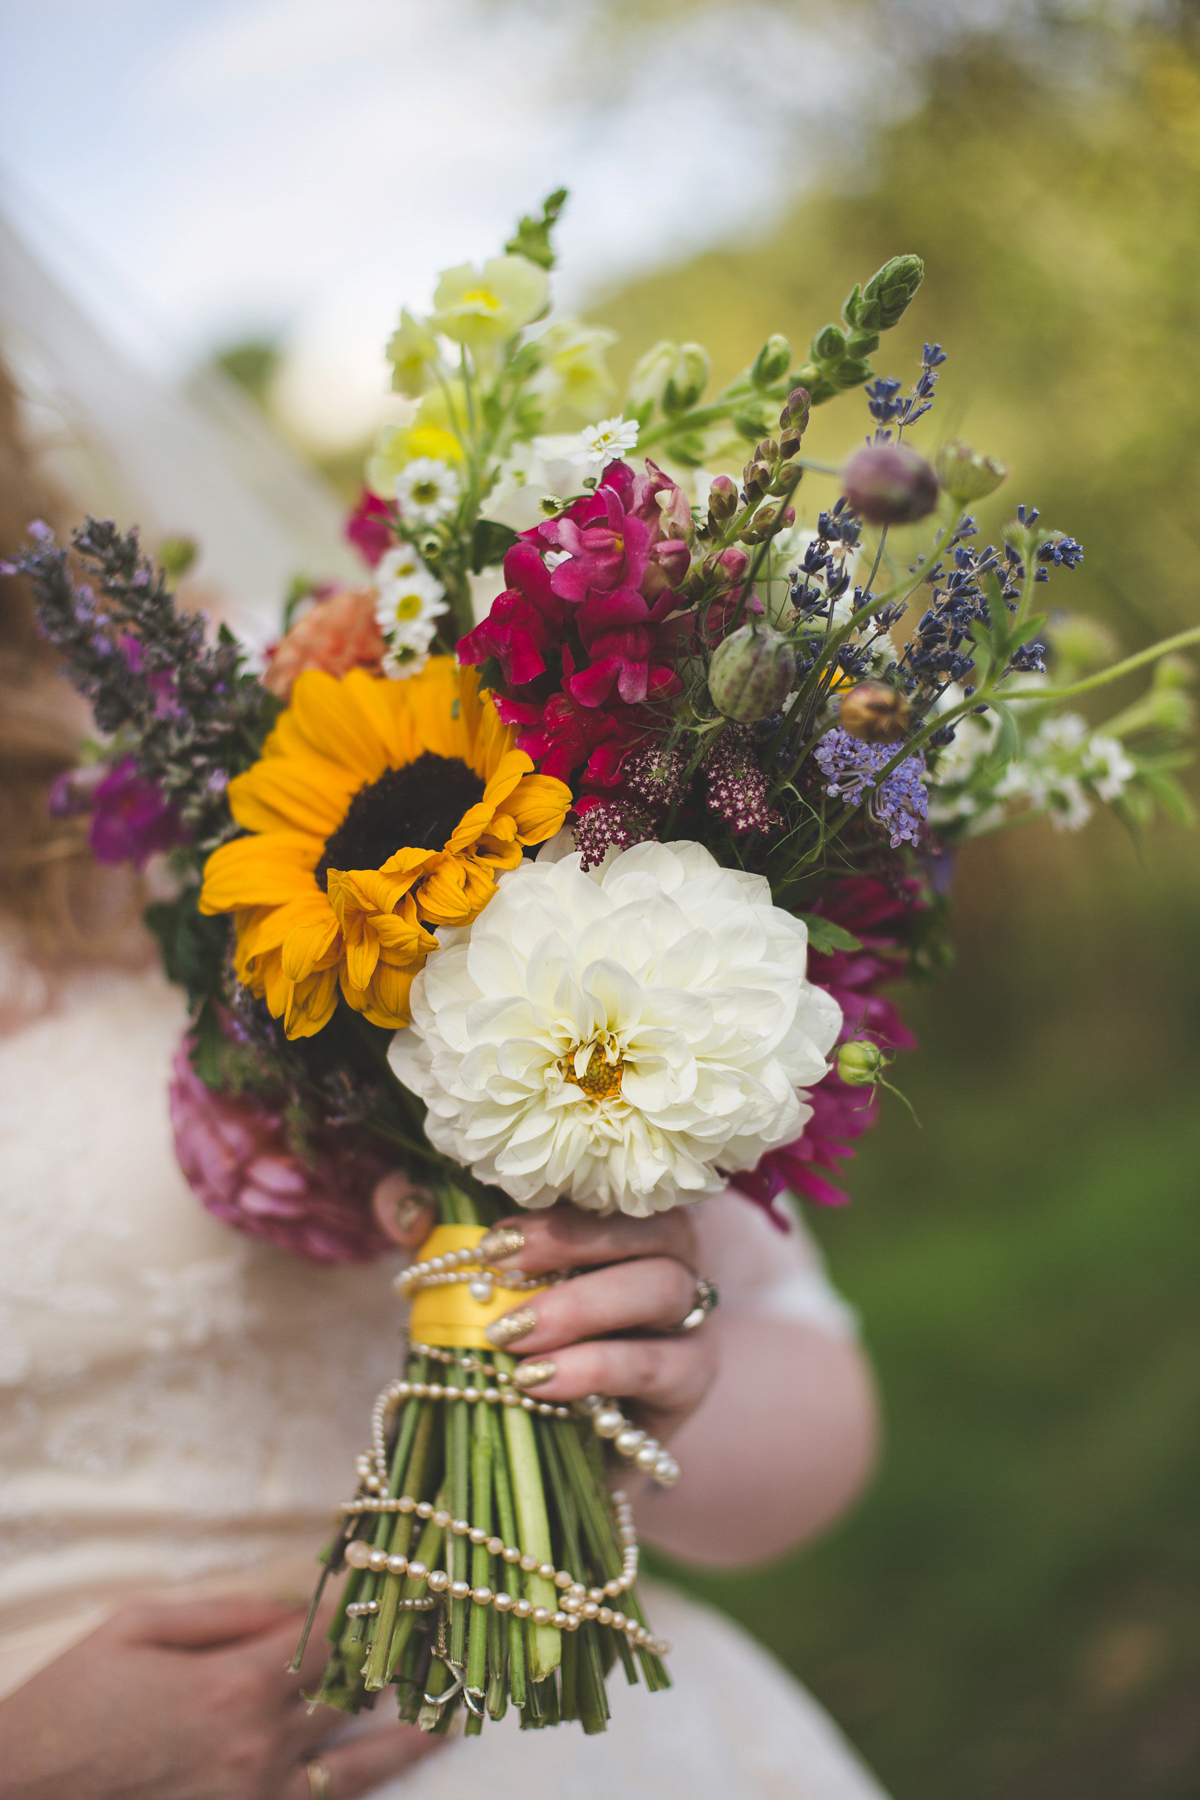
[186, 710]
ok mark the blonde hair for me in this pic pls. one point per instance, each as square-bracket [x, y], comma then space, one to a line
[50, 887]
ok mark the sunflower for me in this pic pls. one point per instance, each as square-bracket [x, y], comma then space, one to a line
[378, 811]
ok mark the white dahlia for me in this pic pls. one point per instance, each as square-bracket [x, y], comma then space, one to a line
[618, 1037]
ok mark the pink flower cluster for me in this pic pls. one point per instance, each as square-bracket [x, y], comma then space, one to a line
[583, 632]
[235, 1155]
[872, 913]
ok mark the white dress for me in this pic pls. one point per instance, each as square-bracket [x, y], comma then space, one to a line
[180, 1409]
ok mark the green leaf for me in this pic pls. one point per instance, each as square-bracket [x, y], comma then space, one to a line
[532, 236]
[1008, 738]
[825, 937]
[193, 944]
[490, 543]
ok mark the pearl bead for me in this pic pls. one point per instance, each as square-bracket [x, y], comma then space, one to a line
[439, 1581]
[522, 1608]
[618, 1621]
[608, 1422]
[613, 1587]
[481, 1290]
[647, 1456]
[589, 1609]
[503, 1602]
[511, 1554]
[460, 1590]
[666, 1471]
[470, 1395]
[563, 1580]
[436, 1263]
[397, 1563]
[541, 1615]
[529, 1563]
[420, 1390]
[435, 1390]
[605, 1615]
[491, 1395]
[559, 1619]
[630, 1440]
[495, 1546]
[596, 1593]
[377, 1561]
[417, 1570]
[546, 1571]
[424, 1509]
[406, 1503]
[441, 1518]
[481, 1595]
[358, 1553]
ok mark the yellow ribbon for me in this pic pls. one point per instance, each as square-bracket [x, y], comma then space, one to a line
[447, 1316]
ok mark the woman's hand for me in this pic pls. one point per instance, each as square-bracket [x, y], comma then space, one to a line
[188, 1702]
[600, 1332]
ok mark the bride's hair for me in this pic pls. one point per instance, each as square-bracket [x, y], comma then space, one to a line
[49, 884]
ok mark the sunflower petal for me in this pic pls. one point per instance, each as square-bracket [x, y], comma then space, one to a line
[312, 945]
[303, 793]
[249, 873]
[311, 1004]
[538, 807]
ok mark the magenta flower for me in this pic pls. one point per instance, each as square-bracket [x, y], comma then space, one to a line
[369, 528]
[235, 1155]
[132, 818]
[842, 1113]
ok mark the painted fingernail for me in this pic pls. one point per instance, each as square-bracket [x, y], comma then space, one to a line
[512, 1326]
[532, 1374]
[409, 1210]
[505, 1241]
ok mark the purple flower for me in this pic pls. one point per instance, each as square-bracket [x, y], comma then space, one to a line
[132, 818]
[851, 767]
[235, 1155]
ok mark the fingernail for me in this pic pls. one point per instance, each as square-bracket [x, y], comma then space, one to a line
[512, 1326]
[532, 1374]
[409, 1209]
[506, 1240]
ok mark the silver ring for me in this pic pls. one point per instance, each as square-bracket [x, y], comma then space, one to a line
[706, 1300]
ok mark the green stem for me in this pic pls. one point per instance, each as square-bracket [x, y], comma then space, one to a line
[1164, 647]
[507, 1515]
[458, 1483]
[533, 1527]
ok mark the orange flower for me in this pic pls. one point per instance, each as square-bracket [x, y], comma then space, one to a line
[337, 635]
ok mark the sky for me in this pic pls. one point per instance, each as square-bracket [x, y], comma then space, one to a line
[195, 172]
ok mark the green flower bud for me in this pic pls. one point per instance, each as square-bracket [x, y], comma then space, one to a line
[767, 451]
[722, 498]
[651, 374]
[756, 478]
[851, 372]
[689, 378]
[751, 423]
[965, 474]
[829, 345]
[764, 523]
[1081, 643]
[796, 410]
[884, 300]
[889, 484]
[860, 1063]
[176, 556]
[752, 673]
[862, 343]
[772, 362]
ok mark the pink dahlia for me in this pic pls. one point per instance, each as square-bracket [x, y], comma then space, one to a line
[236, 1157]
[873, 913]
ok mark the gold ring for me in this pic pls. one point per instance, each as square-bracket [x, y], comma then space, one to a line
[319, 1785]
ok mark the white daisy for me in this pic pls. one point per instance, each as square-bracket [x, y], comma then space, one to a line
[609, 439]
[619, 1037]
[408, 606]
[427, 490]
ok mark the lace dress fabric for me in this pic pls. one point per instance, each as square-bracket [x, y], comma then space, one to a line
[180, 1409]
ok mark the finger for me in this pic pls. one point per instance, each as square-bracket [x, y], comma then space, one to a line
[271, 1654]
[650, 1295]
[206, 1624]
[365, 1762]
[567, 1237]
[666, 1374]
[406, 1213]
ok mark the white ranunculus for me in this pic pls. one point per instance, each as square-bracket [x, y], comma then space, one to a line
[618, 1037]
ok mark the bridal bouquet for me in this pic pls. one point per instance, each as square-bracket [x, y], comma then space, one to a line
[566, 856]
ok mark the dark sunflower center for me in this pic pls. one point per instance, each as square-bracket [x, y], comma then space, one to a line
[415, 807]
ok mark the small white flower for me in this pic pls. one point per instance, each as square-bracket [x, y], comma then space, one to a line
[1107, 766]
[408, 606]
[609, 439]
[427, 490]
[620, 1037]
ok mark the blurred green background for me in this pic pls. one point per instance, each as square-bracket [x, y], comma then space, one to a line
[1013, 1612]
[1015, 1608]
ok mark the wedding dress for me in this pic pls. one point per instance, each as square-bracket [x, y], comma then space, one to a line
[180, 1409]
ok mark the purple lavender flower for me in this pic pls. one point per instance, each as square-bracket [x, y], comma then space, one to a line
[132, 818]
[851, 767]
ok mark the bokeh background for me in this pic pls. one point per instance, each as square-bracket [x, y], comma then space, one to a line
[1014, 1609]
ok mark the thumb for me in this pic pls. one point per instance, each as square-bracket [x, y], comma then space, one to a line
[203, 1624]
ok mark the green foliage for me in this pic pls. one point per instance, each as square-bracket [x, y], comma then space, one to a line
[194, 945]
[532, 236]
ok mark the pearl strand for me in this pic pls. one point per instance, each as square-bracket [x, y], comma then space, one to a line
[464, 1265]
[579, 1602]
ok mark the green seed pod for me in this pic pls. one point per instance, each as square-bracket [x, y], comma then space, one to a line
[796, 410]
[752, 673]
[860, 1063]
[965, 474]
[889, 484]
[772, 362]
